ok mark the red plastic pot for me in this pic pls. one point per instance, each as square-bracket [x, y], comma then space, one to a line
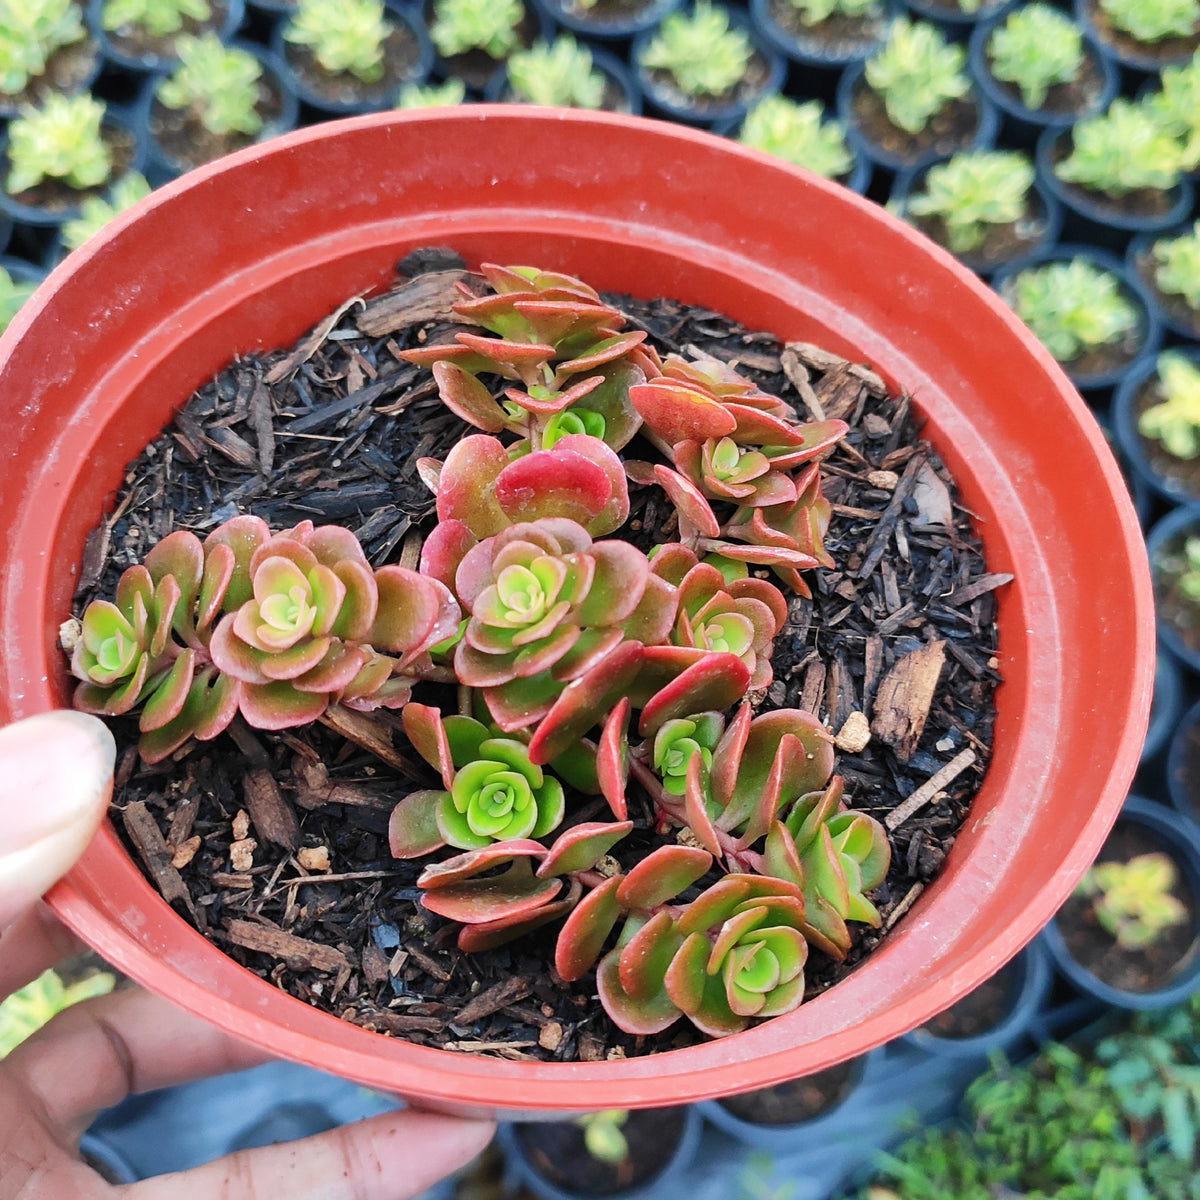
[248, 253]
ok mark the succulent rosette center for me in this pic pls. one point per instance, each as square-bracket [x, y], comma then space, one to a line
[289, 604]
[496, 796]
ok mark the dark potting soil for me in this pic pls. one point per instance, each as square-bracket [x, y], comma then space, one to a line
[979, 1010]
[797, 1100]
[1175, 306]
[401, 60]
[838, 35]
[135, 42]
[745, 91]
[182, 137]
[557, 1151]
[275, 845]
[1183, 471]
[1165, 50]
[1185, 782]
[56, 196]
[604, 12]
[1147, 968]
[1001, 243]
[67, 70]
[1077, 96]
[948, 131]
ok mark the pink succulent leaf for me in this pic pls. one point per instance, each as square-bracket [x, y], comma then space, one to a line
[444, 549]
[825, 928]
[615, 512]
[610, 401]
[338, 668]
[592, 646]
[111, 645]
[493, 668]
[467, 398]
[688, 500]
[297, 661]
[118, 699]
[394, 692]
[693, 991]
[233, 656]
[515, 360]
[612, 758]
[676, 412]
[429, 471]
[585, 931]
[473, 901]
[696, 808]
[454, 352]
[621, 571]
[582, 846]
[331, 544]
[645, 957]
[134, 598]
[164, 609]
[553, 284]
[243, 535]
[672, 561]
[710, 375]
[554, 320]
[461, 867]
[280, 705]
[408, 614]
[428, 736]
[356, 613]
[651, 622]
[467, 486]
[781, 558]
[180, 556]
[766, 594]
[600, 353]
[641, 473]
[640, 1018]
[717, 903]
[412, 828]
[519, 703]
[486, 935]
[662, 874]
[710, 681]
[553, 483]
[547, 401]
[780, 859]
[210, 705]
[371, 686]
[219, 567]
[167, 699]
[810, 440]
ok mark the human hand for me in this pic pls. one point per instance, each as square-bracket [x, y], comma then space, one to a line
[55, 783]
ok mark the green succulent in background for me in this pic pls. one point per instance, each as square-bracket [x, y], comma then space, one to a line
[157, 17]
[1181, 566]
[1122, 150]
[27, 1010]
[700, 51]
[917, 73]
[31, 31]
[1071, 306]
[1036, 47]
[604, 1134]
[1176, 106]
[432, 95]
[1153, 20]
[59, 140]
[1133, 900]
[217, 82]
[1177, 266]
[344, 36]
[798, 133]
[96, 211]
[13, 293]
[1175, 421]
[813, 12]
[556, 73]
[459, 26]
[973, 191]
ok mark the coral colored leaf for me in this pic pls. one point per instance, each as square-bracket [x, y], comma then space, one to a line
[644, 959]
[280, 705]
[452, 871]
[166, 606]
[717, 903]
[408, 609]
[112, 702]
[338, 669]
[553, 483]
[219, 566]
[424, 730]
[505, 353]
[180, 555]
[488, 934]
[672, 561]
[455, 352]
[612, 758]
[518, 703]
[766, 594]
[662, 874]
[696, 810]
[780, 859]
[206, 712]
[413, 828]
[676, 412]
[611, 400]
[651, 622]
[824, 928]
[688, 500]
[582, 846]
[360, 602]
[634, 1017]
[168, 698]
[243, 535]
[586, 930]
[296, 661]
[514, 893]
[591, 646]
[466, 397]
[466, 487]
[444, 549]
[766, 556]
[713, 681]
[618, 584]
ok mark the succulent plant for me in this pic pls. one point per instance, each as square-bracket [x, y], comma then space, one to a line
[603, 1134]
[1175, 420]
[157, 17]
[29, 1008]
[798, 133]
[31, 32]
[1153, 20]
[1176, 106]
[1036, 47]
[701, 52]
[60, 139]
[344, 36]
[556, 73]
[813, 12]
[1122, 150]
[916, 73]
[1133, 900]
[1072, 306]
[432, 95]
[1177, 266]
[216, 82]
[972, 191]
[460, 26]
[13, 293]
[96, 211]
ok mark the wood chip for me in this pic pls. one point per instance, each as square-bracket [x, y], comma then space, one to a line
[498, 996]
[906, 902]
[903, 698]
[241, 854]
[978, 587]
[550, 1036]
[145, 834]
[287, 947]
[368, 734]
[929, 789]
[263, 426]
[427, 298]
[185, 852]
[273, 817]
[401, 1024]
[229, 882]
[314, 789]
[310, 345]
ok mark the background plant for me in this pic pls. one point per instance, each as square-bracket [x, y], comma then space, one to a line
[1177, 266]
[1176, 106]
[798, 133]
[1071, 306]
[157, 17]
[917, 73]
[974, 191]
[432, 95]
[813, 12]
[699, 50]
[96, 211]
[61, 140]
[1133, 900]
[460, 26]
[344, 36]
[1036, 47]
[31, 32]
[557, 73]
[13, 293]
[1175, 420]
[216, 82]
[1122, 150]
[1153, 20]
[27, 1010]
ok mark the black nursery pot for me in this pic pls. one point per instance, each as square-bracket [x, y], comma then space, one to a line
[973, 128]
[1183, 767]
[1174, 479]
[1157, 827]
[764, 75]
[606, 20]
[621, 92]
[280, 109]
[69, 70]
[1175, 312]
[830, 44]
[1005, 246]
[476, 67]
[1065, 103]
[1164, 716]
[408, 58]
[1126, 51]
[1086, 372]
[1170, 530]
[1092, 216]
[951, 19]
[225, 20]
[551, 1160]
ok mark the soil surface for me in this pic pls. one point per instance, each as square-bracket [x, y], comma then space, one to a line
[1185, 472]
[979, 1010]
[401, 61]
[67, 71]
[1001, 243]
[950, 130]
[1166, 51]
[660, 87]
[476, 67]
[332, 432]
[1079, 97]
[837, 37]
[604, 12]
[1172, 304]
[1142, 970]
[134, 42]
[57, 196]
[795, 1101]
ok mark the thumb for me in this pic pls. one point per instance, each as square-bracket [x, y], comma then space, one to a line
[56, 773]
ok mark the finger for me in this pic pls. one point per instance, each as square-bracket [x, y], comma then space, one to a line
[35, 941]
[96, 1053]
[391, 1157]
[55, 783]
